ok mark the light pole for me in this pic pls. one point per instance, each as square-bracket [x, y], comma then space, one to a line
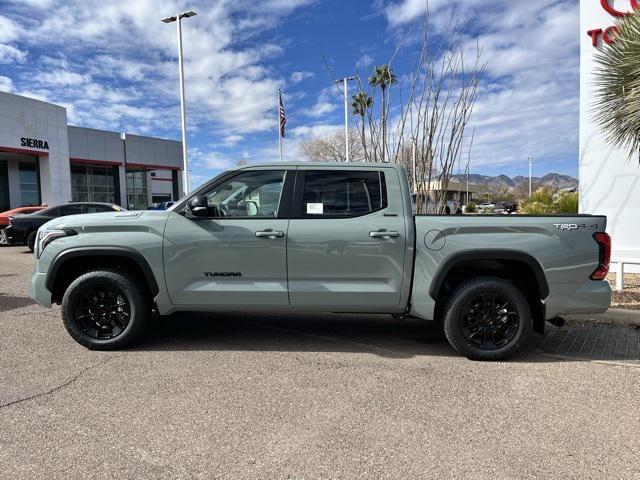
[346, 114]
[530, 161]
[183, 116]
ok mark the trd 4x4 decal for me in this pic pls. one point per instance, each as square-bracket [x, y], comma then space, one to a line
[576, 226]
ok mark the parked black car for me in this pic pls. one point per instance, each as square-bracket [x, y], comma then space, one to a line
[162, 206]
[23, 229]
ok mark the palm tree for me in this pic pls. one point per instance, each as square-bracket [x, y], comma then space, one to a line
[360, 105]
[383, 77]
[618, 86]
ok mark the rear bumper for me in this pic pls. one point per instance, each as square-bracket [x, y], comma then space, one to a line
[590, 297]
[37, 289]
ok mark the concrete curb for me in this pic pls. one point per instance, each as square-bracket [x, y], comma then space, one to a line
[613, 315]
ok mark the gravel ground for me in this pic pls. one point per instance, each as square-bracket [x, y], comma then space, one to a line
[630, 296]
[313, 396]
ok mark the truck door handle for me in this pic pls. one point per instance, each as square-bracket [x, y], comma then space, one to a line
[384, 234]
[269, 234]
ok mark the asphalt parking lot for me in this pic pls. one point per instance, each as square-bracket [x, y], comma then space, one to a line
[316, 396]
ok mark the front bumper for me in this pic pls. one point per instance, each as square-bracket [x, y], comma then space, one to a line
[591, 297]
[37, 289]
[14, 236]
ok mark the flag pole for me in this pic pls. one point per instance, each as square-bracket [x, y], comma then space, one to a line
[279, 124]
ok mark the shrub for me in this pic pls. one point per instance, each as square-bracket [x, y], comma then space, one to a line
[471, 208]
[542, 195]
[536, 208]
[542, 202]
[568, 203]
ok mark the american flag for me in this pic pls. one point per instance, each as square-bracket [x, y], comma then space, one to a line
[283, 118]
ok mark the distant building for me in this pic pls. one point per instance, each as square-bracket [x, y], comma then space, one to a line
[456, 192]
[44, 160]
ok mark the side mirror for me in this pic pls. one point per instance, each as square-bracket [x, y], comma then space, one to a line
[198, 207]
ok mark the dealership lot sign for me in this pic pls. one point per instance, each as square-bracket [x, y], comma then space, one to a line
[607, 34]
[609, 182]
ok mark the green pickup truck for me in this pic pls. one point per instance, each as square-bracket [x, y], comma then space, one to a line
[327, 238]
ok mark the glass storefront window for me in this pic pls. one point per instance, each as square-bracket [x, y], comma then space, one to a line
[137, 197]
[28, 176]
[4, 186]
[93, 183]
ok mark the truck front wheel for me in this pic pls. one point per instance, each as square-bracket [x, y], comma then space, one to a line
[105, 309]
[487, 318]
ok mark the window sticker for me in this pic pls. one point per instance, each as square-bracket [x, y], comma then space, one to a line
[315, 209]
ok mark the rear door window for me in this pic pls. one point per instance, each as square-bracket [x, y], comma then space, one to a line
[342, 193]
[96, 208]
[70, 210]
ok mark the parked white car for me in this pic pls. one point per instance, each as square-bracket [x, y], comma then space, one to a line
[486, 206]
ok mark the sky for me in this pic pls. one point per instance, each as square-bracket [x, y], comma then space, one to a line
[113, 65]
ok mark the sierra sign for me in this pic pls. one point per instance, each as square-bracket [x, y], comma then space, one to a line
[34, 143]
[608, 34]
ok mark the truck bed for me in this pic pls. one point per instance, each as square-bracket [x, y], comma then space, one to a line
[561, 246]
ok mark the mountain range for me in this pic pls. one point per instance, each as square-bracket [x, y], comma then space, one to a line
[551, 180]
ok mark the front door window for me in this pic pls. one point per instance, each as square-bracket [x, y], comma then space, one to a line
[251, 194]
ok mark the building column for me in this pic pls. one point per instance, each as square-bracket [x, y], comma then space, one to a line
[122, 177]
[149, 188]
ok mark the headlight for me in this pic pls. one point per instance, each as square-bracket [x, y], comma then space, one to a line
[45, 237]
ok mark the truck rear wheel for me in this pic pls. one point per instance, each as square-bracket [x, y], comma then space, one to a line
[105, 309]
[487, 318]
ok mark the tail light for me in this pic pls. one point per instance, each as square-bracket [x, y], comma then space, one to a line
[604, 260]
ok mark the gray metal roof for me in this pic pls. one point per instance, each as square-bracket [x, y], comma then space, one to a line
[322, 165]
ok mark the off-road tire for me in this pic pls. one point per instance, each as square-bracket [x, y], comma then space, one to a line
[462, 298]
[127, 286]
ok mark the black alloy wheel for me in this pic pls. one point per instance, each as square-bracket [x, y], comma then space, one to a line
[487, 318]
[106, 309]
[489, 321]
[102, 311]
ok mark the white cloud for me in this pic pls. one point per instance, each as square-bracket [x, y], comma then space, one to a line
[6, 84]
[63, 78]
[9, 30]
[528, 102]
[10, 54]
[231, 140]
[297, 77]
[128, 59]
[328, 102]
[404, 11]
[365, 61]
[315, 131]
[210, 160]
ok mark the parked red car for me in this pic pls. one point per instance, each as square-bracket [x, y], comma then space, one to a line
[4, 216]
[5, 220]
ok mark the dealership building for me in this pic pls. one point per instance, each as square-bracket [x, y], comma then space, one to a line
[609, 179]
[44, 160]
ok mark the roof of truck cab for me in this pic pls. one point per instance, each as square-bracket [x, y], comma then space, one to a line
[321, 165]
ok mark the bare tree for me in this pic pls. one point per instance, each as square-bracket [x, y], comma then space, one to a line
[443, 92]
[429, 113]
[330, 148]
